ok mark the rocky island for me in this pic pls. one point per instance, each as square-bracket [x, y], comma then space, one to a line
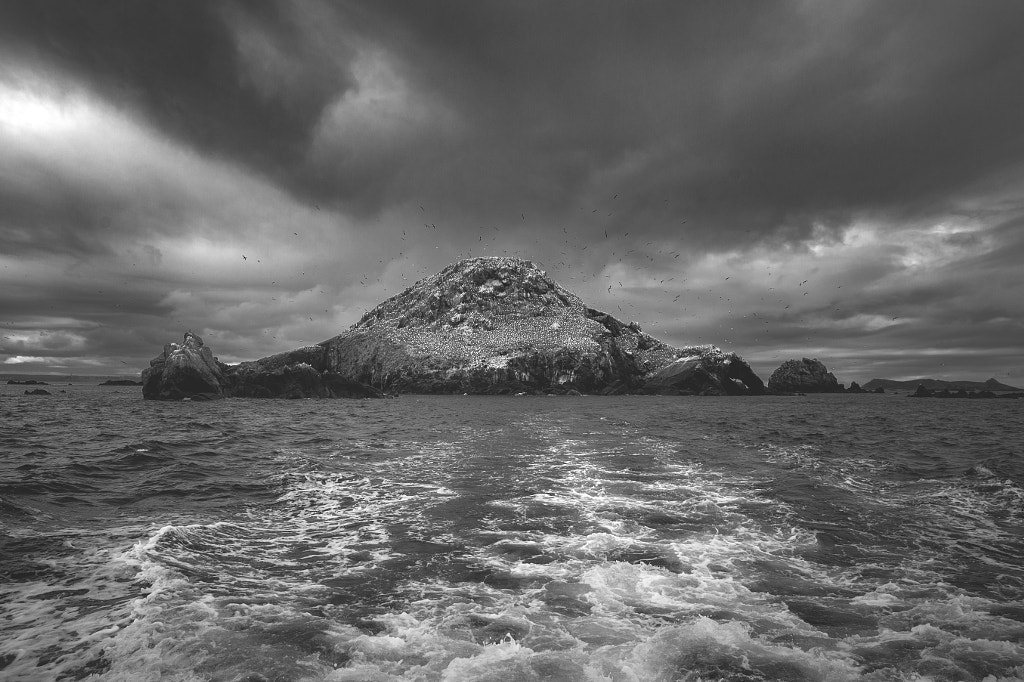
[481, 326]
[803, 376]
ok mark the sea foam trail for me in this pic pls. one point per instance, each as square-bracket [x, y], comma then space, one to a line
[588, 600]
[526, 544]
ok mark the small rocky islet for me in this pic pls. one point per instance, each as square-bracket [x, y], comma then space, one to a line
[803, 376]
[480, 326]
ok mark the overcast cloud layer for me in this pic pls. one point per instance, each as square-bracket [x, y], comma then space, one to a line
[782, 179]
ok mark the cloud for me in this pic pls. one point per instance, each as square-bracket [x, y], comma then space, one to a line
[266, 172]
[24, 359]
[769, 119]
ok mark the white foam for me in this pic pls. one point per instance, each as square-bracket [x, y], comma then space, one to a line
[626, 573]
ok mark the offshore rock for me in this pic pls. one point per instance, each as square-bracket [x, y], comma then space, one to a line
[501, 325]
[712, 372]
[185, 370]
[803, 376]
[189, 370]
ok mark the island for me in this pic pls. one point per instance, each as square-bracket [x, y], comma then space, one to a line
[803, 376]
[486, 325]
[991, 384]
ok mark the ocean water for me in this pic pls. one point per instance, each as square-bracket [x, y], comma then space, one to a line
[630, 539]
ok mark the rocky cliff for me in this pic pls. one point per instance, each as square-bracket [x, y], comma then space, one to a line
[500, 325]
[803, 376]
[189, 370]
[185, 370]
[492, 325]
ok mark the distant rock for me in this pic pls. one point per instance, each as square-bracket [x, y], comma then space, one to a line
[711, 372]
[925, 392]
[939, 384]
[992, 384]
[857, 388]
[26, 382]
[803, 376]
[185, 370]
[120, 382]
[38, 391]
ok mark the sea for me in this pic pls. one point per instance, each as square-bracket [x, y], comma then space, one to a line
[500, 538]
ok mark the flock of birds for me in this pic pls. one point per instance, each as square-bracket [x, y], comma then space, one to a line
[612, 269]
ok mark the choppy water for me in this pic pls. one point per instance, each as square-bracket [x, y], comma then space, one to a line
[496, 538]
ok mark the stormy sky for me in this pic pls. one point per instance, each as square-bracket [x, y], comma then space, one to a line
[843, 181]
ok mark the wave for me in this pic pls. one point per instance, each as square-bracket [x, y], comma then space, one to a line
[527, 545]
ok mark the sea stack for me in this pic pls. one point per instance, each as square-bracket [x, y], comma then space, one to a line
[803, 376]
[185, 370]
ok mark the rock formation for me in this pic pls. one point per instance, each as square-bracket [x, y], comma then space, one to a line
[501, 325]
[185, 370]
[300, 373]
[857, 388]
[189, 370]
[803, 376]
[482, 325]
[711, 372]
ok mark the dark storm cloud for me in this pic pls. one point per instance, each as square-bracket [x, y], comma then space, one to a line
[243, 81]
[766, 116]
[668, 145]
[769, 117]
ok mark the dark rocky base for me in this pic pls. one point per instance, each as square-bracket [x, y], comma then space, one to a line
[189, 371]
[120, 382]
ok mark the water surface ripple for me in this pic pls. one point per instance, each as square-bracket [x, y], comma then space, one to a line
[498, 538]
